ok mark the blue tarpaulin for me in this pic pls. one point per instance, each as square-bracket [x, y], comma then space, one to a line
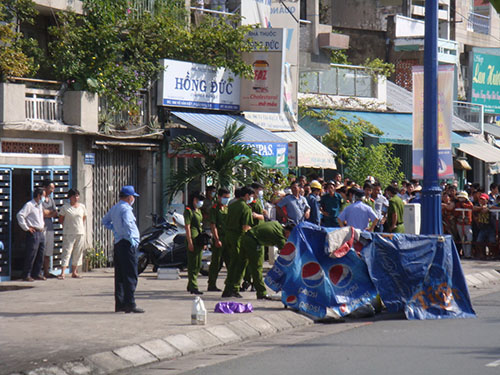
[420, 275]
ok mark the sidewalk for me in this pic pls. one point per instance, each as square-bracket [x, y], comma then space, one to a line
[63, 321]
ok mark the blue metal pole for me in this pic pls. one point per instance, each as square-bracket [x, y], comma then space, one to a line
[431, 192]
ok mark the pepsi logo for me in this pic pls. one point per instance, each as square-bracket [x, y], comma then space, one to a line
[287, 254]
[343, 308]
[340, 275]
[291, 300]
[312, 274]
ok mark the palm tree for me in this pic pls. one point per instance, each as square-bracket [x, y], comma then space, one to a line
[227, 162]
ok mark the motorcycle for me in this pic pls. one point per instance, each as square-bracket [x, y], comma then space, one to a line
[163, 245]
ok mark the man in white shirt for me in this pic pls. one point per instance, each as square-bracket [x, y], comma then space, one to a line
[30, 219]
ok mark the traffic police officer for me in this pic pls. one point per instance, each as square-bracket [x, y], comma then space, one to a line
[218, 214]
[193, 219]
[238, 221]
[270, 233]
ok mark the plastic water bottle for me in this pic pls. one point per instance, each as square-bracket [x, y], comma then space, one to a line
[198, 312]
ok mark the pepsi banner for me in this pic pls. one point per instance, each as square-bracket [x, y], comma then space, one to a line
[420, 275]
[311, 281]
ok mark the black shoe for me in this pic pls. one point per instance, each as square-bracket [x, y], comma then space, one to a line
[252, 289]
[135, 310]
[226, 294]
[266, 297]
[120, 309]
[236, 295]
[245, 286]
[196, 291]
[213, 289]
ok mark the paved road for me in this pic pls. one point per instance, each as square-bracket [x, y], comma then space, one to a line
[388, 345]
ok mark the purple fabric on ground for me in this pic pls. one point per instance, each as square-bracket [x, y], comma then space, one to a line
[233, 307]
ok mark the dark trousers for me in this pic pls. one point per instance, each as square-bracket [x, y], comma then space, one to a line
[125, 260]
[33, 259]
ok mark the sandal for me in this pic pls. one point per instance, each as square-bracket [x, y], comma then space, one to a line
[77, 276]
[60, 277]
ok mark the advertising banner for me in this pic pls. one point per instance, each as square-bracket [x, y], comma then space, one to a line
[420, 275]
[310, 281]
[256, 12]
[445, 116]
[264, 93]
[273, 155]
[486, 79]
[189, 85]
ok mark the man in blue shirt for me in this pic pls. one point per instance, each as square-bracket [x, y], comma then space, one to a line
[358, 214]
[313, 201]
[330, 203]
[296, 206]
[121, 220]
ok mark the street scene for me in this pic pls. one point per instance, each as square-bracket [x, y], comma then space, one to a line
[205, 186]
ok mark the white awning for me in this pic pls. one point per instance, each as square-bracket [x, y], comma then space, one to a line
[311, 153]
[483, 151]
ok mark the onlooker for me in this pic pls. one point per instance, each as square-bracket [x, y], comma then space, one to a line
[210, 199]
[358, 214]
[331, 202]
[493, 193]
[381, 205]
[30, 219]
[486, 233]
[72, 216]
[297, 208]
[463, 214]
[193, 219]
[121, 220]
[49, 212]
[313, 201]
[394, 223]
[367, 199]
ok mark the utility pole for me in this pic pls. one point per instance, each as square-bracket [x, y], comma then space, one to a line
[431, 193]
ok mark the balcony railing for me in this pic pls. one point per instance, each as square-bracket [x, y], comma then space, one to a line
[41, 104]
[478, 23]
[470, 113]
[340, 80]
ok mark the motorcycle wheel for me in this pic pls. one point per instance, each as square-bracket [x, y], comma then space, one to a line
[142, 263]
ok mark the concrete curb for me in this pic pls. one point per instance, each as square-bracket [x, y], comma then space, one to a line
[205, 338]
[478, 279]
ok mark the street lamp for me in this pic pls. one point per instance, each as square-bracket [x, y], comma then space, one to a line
[431, 193]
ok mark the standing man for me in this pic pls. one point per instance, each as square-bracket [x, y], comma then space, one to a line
[381, 204]
[49, 212]
[270, 233]
[297, 208]
[313, 201]
[358, 214]
[238, 221]
[210, 200]
[394, 223]
[121, 220]
[218, 214]
[30, 219]
[330, 203]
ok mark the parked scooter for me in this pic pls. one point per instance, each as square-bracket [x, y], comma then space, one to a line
[163, 245]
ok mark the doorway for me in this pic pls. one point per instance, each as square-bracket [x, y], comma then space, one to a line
[21, 193]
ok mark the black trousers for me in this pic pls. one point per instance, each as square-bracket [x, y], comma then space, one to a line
[125, 260]
[33, 258]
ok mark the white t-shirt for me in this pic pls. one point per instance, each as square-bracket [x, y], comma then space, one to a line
[73, 218]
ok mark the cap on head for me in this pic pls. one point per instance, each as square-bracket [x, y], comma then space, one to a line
[128, 190]
[484, 196]
[463, 194]
[315, 185]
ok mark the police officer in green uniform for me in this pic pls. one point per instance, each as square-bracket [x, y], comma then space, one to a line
[193, 224]
[209, 201]
[218, 214]
[238, 221]
[270, 233]
[394, 223]
[258, 216]
[367, 199]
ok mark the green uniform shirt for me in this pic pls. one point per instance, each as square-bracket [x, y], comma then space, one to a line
[395, 205]
[218, 214]
[370, 202]
[194, 219]
[238, 214]
[205, 211]
[269, 233]
[257, 208]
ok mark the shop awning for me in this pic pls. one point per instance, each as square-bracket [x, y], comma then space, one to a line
[397, 127]
[311, 153]
[494, 130]
[272, 148]
[483, 151]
